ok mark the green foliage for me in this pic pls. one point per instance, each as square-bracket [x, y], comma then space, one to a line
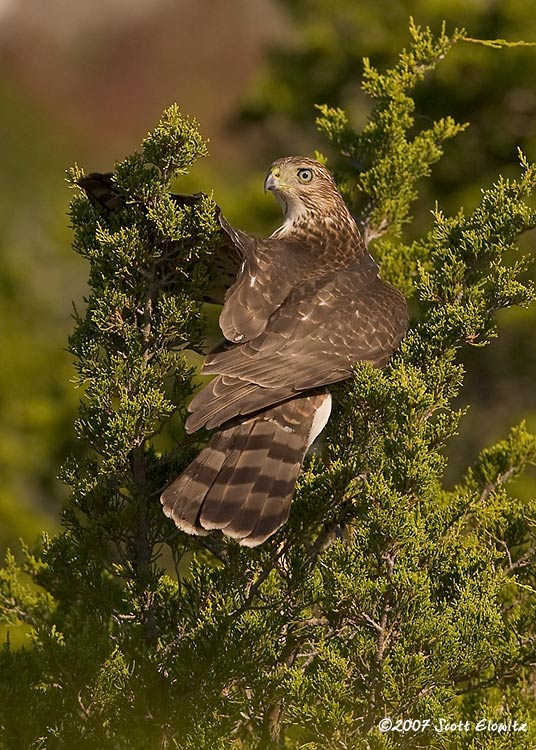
[37, 402]
[389, 163]
[386, 595]
[322, 62]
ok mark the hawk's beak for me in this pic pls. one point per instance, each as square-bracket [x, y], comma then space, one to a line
[271, 183]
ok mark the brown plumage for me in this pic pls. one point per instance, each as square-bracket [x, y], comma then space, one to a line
[306, 306]
[243, 481]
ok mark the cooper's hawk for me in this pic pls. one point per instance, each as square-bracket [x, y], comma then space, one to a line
[306, 306]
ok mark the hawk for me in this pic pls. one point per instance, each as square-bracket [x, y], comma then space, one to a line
[306, 306]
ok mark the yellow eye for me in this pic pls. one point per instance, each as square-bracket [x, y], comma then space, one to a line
[305, 175]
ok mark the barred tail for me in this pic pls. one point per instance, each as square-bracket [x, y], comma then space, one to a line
[243, 481]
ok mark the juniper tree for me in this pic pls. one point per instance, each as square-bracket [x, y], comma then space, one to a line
[386, 594]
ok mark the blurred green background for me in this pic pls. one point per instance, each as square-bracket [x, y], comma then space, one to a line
[85, 81]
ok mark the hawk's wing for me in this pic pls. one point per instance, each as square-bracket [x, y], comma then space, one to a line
[270, 270]
[323, 328]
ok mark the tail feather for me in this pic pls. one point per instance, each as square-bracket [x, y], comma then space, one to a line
[273, 505]
[218, 505]
[271, 493]
[183, 499]
[243, 481]
[254, 490]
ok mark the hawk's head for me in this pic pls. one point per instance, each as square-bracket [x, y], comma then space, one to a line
[303, 187]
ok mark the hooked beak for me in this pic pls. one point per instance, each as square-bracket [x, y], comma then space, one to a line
[271, 183]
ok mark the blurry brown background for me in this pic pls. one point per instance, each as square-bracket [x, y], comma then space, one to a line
[98, 73]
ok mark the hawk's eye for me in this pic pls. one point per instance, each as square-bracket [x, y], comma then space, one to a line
[305, 175]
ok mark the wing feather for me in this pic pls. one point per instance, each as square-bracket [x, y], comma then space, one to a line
[312, 340]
